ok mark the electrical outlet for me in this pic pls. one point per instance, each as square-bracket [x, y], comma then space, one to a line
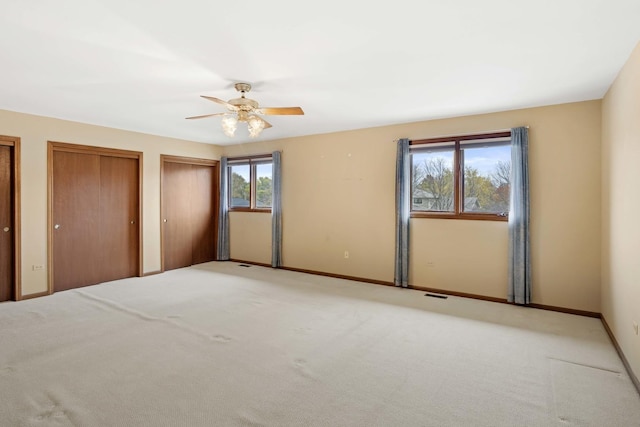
[38, 267]
[635, 327]
[346, 254]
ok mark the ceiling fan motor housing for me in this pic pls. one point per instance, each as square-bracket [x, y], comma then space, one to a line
[244, 104]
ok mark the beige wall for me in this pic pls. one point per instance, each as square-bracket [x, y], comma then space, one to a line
[620, 208]
[254, 228]
[339, 195]
[35, 131]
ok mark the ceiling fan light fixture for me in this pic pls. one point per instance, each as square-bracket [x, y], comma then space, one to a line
[229, 125]
[255, 125]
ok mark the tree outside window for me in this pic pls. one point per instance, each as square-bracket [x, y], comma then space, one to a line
[250, 184]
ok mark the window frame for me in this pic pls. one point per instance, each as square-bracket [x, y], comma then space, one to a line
[458, 177]
[252, 162]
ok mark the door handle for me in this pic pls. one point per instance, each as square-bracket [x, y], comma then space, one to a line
[164, 220]
[6, 229]
[133, 222]
[56, 226]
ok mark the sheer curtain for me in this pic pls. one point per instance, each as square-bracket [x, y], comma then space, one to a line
[403, 184]
[276, 212]
[519, 245]
[223, 214]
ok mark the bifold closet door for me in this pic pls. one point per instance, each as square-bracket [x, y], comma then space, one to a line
[6, 224]
[189, 193]
[76, 220]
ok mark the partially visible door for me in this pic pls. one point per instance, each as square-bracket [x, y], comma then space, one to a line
[189, 211]
[76, 219]
[118, 217]
[6, 224]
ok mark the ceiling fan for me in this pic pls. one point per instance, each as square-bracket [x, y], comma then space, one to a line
[246, 110]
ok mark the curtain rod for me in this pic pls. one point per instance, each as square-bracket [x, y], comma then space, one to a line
[475, 133]
[251, 156]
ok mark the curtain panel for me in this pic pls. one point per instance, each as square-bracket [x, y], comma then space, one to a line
[403, 190]
[276, 212]
[519, 243]
[223, 214]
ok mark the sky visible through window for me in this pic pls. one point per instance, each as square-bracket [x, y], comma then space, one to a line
[263, 170]
[484, 160]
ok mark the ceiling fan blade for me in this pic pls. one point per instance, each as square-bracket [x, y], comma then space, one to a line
[206, 115]
[221, 102]
[281, 111]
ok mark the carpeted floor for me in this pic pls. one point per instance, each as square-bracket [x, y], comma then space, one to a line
[224, 345]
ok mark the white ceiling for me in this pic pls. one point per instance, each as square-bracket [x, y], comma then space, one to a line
[141, 64]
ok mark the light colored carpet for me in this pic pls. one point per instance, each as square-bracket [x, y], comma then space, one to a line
[223, 345]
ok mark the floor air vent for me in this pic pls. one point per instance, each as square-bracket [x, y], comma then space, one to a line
[435, 296]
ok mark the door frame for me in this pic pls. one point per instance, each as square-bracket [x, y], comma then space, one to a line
[165, 158]
[53, 146]
[14, 143]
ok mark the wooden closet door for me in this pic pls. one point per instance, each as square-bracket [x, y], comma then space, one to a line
[177, 242]
[76, 219]
[204, 194]
[119, 220]
[6, 224]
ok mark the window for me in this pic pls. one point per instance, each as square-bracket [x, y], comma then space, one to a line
[432, 177]
[461, 177]
[250, 184]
